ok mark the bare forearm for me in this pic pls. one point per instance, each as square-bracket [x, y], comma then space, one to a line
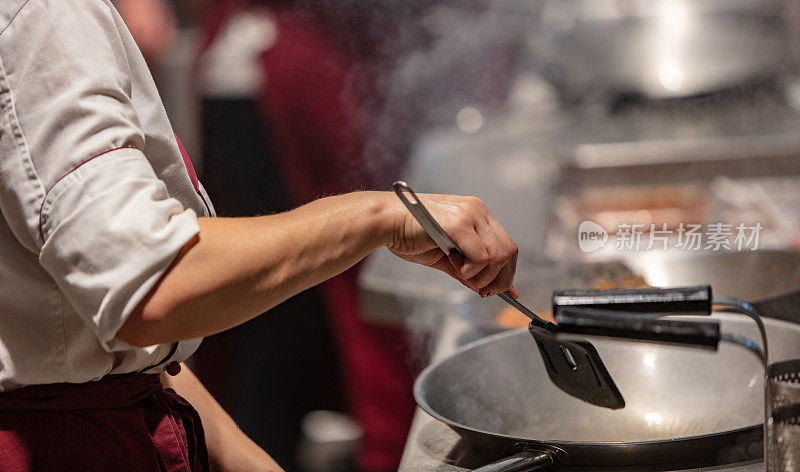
[240, 267]
[230, 450]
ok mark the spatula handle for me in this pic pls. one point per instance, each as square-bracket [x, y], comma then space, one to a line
[447, 245]
[686, 300]
[425, 219]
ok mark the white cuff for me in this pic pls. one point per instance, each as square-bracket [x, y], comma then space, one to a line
[110, 232]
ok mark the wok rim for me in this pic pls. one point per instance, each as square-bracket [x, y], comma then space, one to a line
[425, 406]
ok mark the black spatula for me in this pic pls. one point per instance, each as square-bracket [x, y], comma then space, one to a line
[573, 366]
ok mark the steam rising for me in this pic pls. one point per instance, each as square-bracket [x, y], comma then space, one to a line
[655, 82]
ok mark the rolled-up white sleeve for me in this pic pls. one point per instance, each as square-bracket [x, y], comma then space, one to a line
[75, 185]
[110, 232]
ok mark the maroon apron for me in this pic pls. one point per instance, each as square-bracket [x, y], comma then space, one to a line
[120, 422]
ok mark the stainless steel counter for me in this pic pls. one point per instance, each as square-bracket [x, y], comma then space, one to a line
[432, 446]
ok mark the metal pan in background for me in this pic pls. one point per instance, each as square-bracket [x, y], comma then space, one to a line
[764, 277]
[681, 404]
[660, 50]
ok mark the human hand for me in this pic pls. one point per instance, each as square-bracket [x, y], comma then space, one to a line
[490, 256]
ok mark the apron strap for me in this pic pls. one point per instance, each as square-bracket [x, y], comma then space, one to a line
[178, 434]
[132, 423]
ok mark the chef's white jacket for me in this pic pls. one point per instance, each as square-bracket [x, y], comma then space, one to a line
[95, 198]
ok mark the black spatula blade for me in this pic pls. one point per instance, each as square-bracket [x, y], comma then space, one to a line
[576, 368]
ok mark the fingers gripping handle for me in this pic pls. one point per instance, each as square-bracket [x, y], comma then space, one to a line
[535, 320]
[446, 243]
[425, 219]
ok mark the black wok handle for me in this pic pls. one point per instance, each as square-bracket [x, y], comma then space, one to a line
[593, 321]
[523, 462]
[686, 300]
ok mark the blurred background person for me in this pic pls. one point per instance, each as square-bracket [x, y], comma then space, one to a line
[288, 92]
[298, 100]
[243, 164]
[284, 122]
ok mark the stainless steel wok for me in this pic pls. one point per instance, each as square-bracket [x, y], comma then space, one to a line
[682, 404]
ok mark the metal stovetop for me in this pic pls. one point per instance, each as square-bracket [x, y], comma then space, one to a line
[432, 446]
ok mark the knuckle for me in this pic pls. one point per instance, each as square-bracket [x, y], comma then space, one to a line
[503, 256]
[476, 203]
[464, 219]
[483, 259]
